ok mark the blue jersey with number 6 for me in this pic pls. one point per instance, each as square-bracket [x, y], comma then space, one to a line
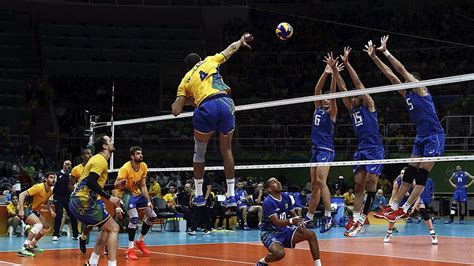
[366, 128]
[322, 131]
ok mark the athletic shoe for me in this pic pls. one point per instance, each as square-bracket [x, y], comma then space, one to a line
[246, 227]
[434, 239]
[409, 220]
[37, 250]
[199, 201]
[75, 237]
[25, 252]
[308, 222]
[130, 254]
[327, 224]
[207, 232]
[349, 224]
[230, 202]
[396, 215]
[86, 263]
[357, 229]
[259, 263]
[55, 238]
[82, 245]
[395, 230]
[388, 238]
[220, 228]
[140, 244]
[386, 212]
[448, 221]
[461, 221]
[380, 214]
[192, 233]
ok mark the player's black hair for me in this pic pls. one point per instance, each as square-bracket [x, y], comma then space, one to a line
[191, 60]
[133, 150]
[98, 143]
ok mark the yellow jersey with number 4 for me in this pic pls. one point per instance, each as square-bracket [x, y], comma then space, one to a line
[133, 177]
[204, 79]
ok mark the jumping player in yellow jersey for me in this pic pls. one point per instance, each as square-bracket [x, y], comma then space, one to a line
[76, 173]
[40, 194]
[134, 198]
[85, 206]
[203, 87]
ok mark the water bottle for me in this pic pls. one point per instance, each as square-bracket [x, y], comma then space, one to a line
[17, 188]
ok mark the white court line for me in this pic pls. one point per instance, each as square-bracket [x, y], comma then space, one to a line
[2, 262]
[198, 257]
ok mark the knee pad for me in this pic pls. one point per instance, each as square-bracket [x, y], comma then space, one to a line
[199, 151]
[454, 208]
[133, 215]
[421, 177]
[410, 174]
[424, 214]
[37, 228]
[150, 218]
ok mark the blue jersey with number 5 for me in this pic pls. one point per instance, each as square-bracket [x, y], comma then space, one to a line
[322, 131]
[423, 114]
[366, 128]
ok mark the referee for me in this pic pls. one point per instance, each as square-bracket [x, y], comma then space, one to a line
[61, 195]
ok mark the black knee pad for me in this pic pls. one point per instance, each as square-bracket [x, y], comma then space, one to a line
[410, 174]
[421, 177]
[424, 214]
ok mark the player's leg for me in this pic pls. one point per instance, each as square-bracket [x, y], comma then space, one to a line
[112, 230]
[225, 143]
[75, 230]
[359, 189]
[454, 208]
[303, 234]
[46, 228]
[58, 206]
[315, 196]
[322, 175]
[462, 210]
[148, 219]
[277, 252]
[27, 248]
[243, 212]
[429, 224]
[131, 230]
[390, 230]
[200, 146]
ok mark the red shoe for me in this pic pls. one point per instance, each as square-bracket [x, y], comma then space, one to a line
[381, 214]
[141, 246]
[395, 215]
[349, 224]
[130, 254]
[357, 229]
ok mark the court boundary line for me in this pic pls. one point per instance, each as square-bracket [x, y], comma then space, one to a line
[198, 257]
[9, 263]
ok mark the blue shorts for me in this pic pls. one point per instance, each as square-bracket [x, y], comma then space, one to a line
[88, 211]
[460, 195]
[131, 202]
[216, 112]
[322, 156]
[29, 212]
[429, 146]
[285, 237]
[369, 154]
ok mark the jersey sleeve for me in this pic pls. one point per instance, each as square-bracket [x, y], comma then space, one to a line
[34, 190]
[99, 166]
[145, 170]
[122, 174]
[182, 88]
[75, 173]
[269, 209]
[218, 58]
[291, 205]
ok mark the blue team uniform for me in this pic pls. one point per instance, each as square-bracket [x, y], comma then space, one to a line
[216, 112]
[426, 195]
[429, 141]
[241, 197]
[322, 134]
[460, 179]
[370, 147]
[269, 232]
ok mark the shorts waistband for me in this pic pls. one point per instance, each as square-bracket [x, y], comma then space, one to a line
[213, 97]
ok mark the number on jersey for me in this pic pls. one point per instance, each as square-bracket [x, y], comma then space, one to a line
[202, 75]
[357, 119]
[410, 104]
[317, 120]
[283, 216]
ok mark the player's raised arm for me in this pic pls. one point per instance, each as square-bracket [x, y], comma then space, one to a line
[329, 59]
[355, 78]
[397, 65]
[234, 47]
[318, 89]
[332, 89]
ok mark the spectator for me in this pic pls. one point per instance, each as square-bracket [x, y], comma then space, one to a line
[244, 206]
[259, 194]
[155, 188]
[13, 218]
[349, 200]
[183, 200]
[379, 202]
[340, 184]
[301, 202]
[385, 184]
[170, 197]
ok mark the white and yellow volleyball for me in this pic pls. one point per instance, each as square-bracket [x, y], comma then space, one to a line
[284, 31]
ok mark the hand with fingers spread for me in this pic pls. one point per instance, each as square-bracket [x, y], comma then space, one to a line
[339, 66]
[345, 56]
[370, 49]
[245, 39]
[329, 59]
[383, 44]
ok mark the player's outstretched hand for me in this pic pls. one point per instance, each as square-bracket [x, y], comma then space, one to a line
[345, 57]
[245, 39]
[370, 49]
[329, 59]
[383, 44]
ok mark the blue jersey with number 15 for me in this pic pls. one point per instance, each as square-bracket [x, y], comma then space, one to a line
[366, 128]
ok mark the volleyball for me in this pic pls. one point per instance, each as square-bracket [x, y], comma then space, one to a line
[284, 31]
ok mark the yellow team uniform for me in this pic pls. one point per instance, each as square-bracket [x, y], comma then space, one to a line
[11, 209]
[155, 189]
[133, 177]
[40, 196]
[76, 172]
[169, 198]
[97, 164]
[203, 80]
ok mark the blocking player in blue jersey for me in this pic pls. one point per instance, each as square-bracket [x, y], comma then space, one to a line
[281, 228]
[458, 180]
[370, 147]
[322, 137]
[429, 141]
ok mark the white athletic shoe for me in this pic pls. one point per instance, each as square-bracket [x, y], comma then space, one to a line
[55, 238]
[388, 238]
[434, 239]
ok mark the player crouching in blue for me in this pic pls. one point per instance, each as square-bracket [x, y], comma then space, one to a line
[277, 232]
